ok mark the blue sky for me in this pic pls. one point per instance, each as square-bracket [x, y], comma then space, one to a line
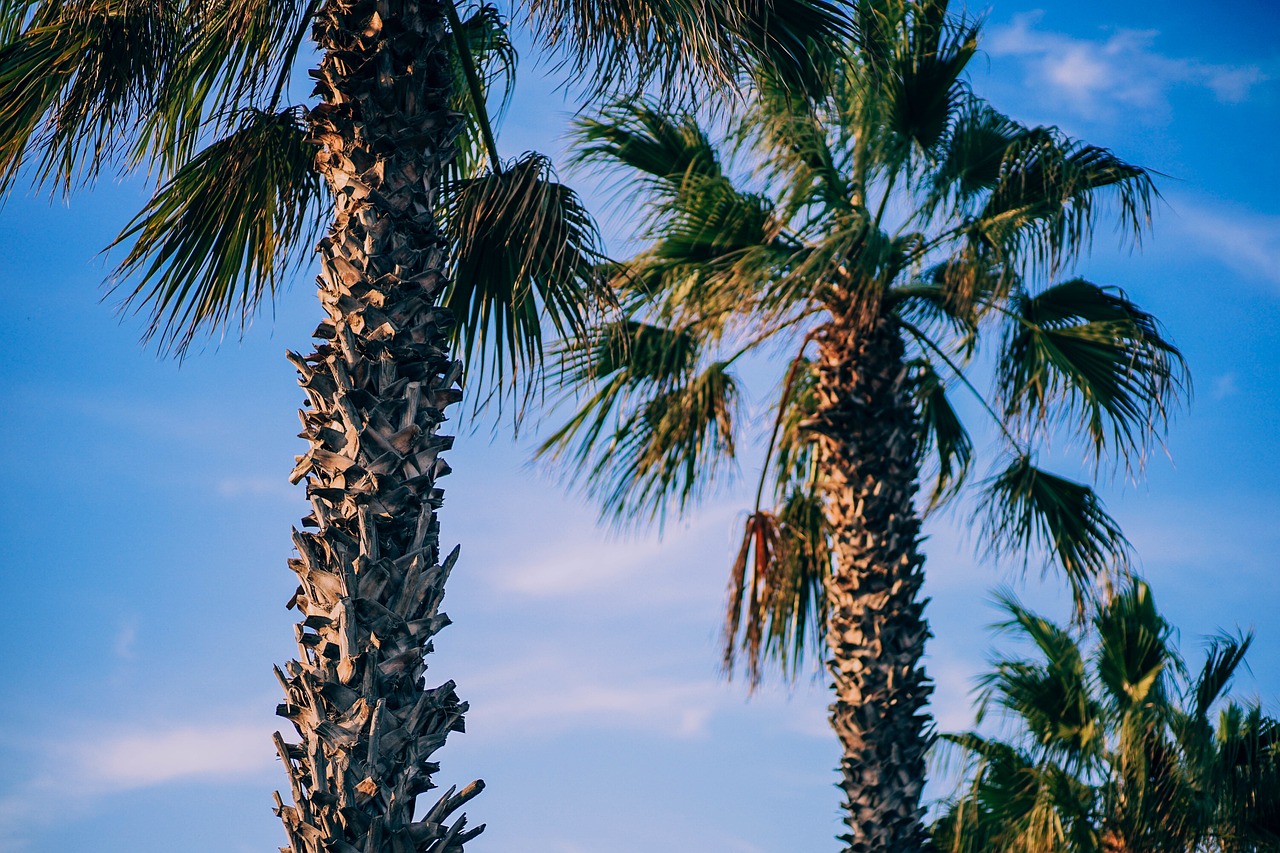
[147, 514]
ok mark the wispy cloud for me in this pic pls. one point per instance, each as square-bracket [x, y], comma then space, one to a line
[72, 773]
[544, 694]
[1100, 77]
[1242, 240]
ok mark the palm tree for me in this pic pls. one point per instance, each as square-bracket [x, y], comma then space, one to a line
[885, 228]
[1115, 748]
[432, 240]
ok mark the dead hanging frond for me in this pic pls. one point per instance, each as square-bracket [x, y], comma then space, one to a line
[777, 603]
[523, 249]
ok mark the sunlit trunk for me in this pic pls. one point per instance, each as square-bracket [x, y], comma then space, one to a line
[368, 565]
[866, 429]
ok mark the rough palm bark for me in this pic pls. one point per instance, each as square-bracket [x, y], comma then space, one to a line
[866, 429]
[369, 569]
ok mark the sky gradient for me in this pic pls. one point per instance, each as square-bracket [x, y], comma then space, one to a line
[146, 521]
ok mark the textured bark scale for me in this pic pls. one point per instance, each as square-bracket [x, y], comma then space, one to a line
[866, 428]
[369, 569]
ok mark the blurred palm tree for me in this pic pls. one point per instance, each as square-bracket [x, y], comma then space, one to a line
[889, 225]
[431, 241]
[1116, 747]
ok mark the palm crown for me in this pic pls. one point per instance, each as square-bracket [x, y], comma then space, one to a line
[1116, 745]
[887, 227]
[902, 197]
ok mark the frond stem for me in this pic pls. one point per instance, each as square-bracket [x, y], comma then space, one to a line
[313, 8]
[473, 84]
[920, 336]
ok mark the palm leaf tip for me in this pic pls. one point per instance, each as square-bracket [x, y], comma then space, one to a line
[659, 453]
[942, 436]
[1028, 509]
[216, 238]
[75, 81]
[523, 249]
[683, 45]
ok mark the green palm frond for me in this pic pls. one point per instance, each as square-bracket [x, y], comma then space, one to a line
[524, 250]
[1046, 199]
[796, 453]
[777, 602]
[975, 151]
[1051, 696]
[1225, 655]
[76, 80]
[1134, 656]
[616, 362]
[1155, 773]
[923, 86]
[215, 240]
[14, 16]
[942, 435]
[1028, 509]
[665, 453]
[1086, 353]
[664, 146]
[234, 53]
[684, 44]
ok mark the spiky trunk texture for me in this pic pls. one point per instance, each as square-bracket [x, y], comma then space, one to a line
[370, 577]
[866, 430]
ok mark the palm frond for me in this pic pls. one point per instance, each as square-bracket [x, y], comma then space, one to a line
[234, 54]
[217, 237]
[76, 81]
[664, 146]
[683, 45]
[487, 42]
[1046, 199]
[615, 363]
[1027, 508]
[14, 17]
[523, 249]
[1051, 696]
[1226, 655]
[666, 452]
[1135, 656]
[1086, 353]
[942, 435]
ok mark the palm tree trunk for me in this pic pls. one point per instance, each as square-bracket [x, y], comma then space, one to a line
[866, 430]
[369, 569]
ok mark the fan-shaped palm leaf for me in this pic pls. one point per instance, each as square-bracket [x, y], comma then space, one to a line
[77, 74]
[1028, 508]
[682, 44]
[665, 453]
[525, 250]
[215, 239]
[1086, 352]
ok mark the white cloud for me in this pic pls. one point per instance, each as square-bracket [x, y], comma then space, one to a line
[1098, 78]
[582, 559]
[1242, 240]
[143, 758]
[126, 639]
[74, 772]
